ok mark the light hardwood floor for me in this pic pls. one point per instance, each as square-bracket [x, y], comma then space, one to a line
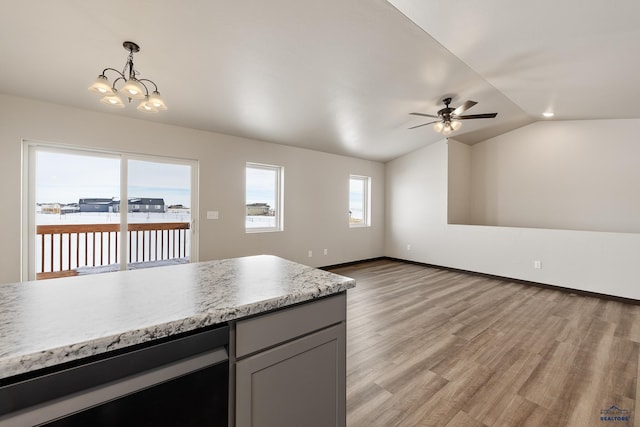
[432, 347]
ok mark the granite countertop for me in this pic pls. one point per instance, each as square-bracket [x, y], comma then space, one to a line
[49, 322]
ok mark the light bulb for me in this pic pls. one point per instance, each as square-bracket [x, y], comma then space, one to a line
[146, 106]
[101, 86]
[456, 124]
[133, 89]
[156, 100]
[438, 127]
[113, 101]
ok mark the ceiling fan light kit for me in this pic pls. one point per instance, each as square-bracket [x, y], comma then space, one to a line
[133, 87]
[449, 118]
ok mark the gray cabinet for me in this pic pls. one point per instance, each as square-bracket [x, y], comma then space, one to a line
[290, 368]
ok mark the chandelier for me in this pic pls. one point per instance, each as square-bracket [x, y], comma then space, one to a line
[133, 87]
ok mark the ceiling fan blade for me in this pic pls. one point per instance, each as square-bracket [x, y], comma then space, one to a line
[477, 116]
[424, 115]
[464, 107]
[424, 124]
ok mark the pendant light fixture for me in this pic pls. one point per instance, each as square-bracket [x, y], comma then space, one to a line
[133, 87]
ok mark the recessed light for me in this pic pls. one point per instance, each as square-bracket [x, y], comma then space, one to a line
[548, 114]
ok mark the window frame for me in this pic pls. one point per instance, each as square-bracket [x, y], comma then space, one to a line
[28, 229]
[279, 198]
[366, 201]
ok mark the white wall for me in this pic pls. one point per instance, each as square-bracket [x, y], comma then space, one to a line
[416, 214]
[570, 175]
[459, 188]
[316, 198]
[316, 184]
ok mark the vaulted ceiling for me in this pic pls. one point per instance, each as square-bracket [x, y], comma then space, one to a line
[339, 76]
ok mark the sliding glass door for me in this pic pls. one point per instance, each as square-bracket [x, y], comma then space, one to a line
[90, 212]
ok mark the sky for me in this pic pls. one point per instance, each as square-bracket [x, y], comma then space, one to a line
[65, 178]
[261, 186]
[356, 201]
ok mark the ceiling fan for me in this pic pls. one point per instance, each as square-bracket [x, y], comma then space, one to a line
[449, 118]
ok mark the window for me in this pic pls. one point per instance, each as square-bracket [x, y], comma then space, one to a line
[89, 211]
[359, 201]
[263, 198]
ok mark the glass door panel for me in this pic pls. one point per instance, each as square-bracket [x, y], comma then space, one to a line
[77, 220]
[159, 213]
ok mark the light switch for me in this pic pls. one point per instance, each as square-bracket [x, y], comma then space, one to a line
[212, 214]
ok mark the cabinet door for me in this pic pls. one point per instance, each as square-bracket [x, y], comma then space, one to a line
[300, 383]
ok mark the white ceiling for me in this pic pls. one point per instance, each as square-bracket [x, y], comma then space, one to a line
[339, 76]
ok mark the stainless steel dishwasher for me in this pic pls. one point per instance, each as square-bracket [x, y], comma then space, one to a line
[178, 382]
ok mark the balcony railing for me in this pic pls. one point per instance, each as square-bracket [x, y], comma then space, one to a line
[63, 249]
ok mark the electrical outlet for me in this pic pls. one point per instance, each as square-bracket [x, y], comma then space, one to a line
[537, 264]
[326, 251]
[408, 247]
[212, 214]
[310, 254]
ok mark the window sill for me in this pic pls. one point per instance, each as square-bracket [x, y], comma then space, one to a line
[261, 230]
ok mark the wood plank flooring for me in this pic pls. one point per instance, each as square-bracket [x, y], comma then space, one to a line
[432, 347]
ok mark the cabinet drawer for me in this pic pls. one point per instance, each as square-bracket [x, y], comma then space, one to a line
[271, 329]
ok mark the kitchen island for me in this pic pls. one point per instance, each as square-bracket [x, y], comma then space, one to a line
[62, 322]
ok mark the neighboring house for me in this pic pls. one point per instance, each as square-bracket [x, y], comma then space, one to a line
[254, 209]
[70, 208]
[50, 208]
[142, 204]
[135, 204]
[97, 205]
